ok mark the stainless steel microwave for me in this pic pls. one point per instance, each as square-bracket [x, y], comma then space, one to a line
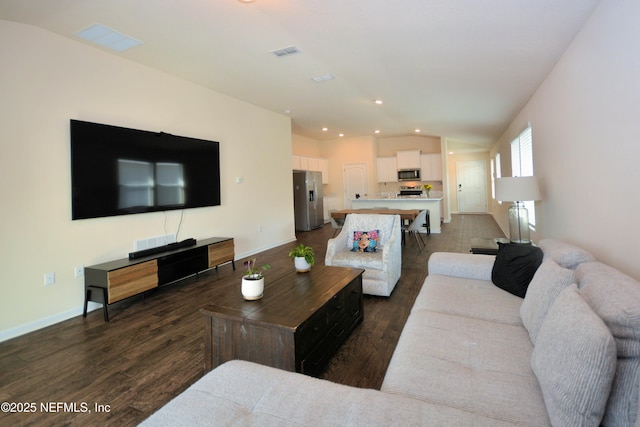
[409, 175]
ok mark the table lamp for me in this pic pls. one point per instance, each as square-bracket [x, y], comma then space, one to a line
[518, 190]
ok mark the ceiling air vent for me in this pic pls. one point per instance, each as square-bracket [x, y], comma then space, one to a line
[105, 36]
[323, 78]
[285, 51]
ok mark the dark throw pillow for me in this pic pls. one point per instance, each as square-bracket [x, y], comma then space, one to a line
[515, 266]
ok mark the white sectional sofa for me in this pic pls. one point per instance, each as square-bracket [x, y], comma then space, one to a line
[470, 354]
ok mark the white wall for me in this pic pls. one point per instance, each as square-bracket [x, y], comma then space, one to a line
[45, 80]
[586, 122]
[389, 146]
[343, 151]
[304, 146]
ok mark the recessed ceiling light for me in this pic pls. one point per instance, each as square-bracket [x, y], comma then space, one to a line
[104, 36]
[341, 135]
[418, 131]
[377, 131]
[246, 1]
[378, 101]
[325, 129]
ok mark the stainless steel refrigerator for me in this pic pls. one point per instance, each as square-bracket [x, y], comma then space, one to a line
[307, 200]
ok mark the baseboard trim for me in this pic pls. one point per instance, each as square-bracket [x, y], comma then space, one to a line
[45, 321]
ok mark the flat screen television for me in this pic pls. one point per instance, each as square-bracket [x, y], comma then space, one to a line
[121, 171]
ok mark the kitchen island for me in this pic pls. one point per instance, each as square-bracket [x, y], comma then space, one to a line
[405, 202]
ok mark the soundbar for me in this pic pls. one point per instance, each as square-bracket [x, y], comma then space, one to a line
[159, 249]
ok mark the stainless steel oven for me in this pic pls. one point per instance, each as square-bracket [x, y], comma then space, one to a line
[410, 191]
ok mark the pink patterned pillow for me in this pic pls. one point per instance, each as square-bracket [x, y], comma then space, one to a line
[365, 241]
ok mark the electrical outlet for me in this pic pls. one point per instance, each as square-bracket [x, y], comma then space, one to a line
[78, 271]
[49, 279]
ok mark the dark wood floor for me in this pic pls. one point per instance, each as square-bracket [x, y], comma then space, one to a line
[152, 349]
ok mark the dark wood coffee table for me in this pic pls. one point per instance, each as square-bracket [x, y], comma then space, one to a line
[297, 326]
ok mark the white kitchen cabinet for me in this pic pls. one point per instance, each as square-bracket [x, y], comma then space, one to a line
[409, 159]
[387, 169]
[431, 165]
[314, 164]
[295, 163]
[324, 168]
[304, 163]
[317, 164]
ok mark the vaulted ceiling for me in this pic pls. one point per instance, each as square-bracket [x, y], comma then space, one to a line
[455, 68]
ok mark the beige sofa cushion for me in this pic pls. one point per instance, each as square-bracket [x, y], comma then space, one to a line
[466, 266]
[477, 299]
[470, 364]
[240, 393]
[565, 254]
[574, 360]
[550, 279]
[615, 297]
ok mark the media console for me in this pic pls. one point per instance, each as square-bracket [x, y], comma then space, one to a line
[116, 280]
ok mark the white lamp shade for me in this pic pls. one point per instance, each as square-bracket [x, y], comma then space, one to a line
[517, 189]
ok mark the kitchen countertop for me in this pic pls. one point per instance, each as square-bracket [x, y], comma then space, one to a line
[433, 203]
[399, 198]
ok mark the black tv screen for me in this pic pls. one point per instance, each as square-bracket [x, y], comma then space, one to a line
[120, 171]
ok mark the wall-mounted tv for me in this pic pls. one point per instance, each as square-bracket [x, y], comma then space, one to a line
[120, 171]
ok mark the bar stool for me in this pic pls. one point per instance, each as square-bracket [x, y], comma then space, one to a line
[427, 224]
[415, 227]
[336, 223]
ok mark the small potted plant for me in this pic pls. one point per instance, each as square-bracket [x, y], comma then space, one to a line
[253, 280]
[303, 258]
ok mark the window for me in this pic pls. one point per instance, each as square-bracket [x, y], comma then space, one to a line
[522, 165]
[493, 178]
[495, 173]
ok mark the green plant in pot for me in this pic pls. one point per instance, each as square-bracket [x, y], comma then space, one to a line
[253, 280]
[303, 257]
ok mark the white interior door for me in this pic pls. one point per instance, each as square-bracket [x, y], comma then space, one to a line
[472, 186]
[355, 182]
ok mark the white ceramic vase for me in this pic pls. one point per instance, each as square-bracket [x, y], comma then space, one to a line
[252, 288]
[302, 266]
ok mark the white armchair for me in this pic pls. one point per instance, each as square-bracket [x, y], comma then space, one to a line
[382, 267]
